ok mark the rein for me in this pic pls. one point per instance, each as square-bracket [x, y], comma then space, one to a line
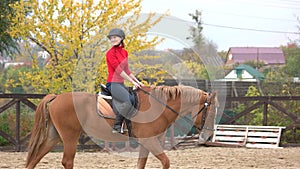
[185, 118]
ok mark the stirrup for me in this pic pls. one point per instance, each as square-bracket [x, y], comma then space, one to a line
[116, 131]
[123, 130]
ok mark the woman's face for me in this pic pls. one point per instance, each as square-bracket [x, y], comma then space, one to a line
[115, 40]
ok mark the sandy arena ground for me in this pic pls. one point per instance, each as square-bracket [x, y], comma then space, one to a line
[195, 158]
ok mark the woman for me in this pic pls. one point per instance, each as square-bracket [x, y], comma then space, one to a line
[118, 71]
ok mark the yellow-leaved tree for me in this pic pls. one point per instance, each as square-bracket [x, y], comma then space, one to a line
[73, 34]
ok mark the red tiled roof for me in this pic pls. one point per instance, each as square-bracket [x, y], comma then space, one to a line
[269, 55]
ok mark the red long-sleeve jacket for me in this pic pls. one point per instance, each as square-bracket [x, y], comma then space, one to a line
[117, 61]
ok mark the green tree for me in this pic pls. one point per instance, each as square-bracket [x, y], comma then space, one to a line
[275, 75]
[197, 37]
[196, 32]
[189, 69]
[8, 44]
[223, 55]
[256, 115]
[12, 76]
[255, 64]
[203, 52]
[74, 36]
[292, 61]
[150, 68]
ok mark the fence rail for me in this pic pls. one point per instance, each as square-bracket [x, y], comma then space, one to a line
[17, 99]
[19, 144]
[266, 102]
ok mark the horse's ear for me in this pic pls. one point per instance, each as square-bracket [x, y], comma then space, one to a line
[214, 94]
[214, 98]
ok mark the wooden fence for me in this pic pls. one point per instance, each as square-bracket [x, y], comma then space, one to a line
[16, 100]
[19, 144]
[265, 102]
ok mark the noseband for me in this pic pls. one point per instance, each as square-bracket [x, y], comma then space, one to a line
[204, 110]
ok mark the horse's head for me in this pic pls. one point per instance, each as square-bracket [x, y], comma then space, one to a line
[206, 108]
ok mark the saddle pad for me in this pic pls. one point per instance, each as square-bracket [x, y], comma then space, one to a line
[104, 108]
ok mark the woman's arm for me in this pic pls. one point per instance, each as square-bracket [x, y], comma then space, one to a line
[133, 81]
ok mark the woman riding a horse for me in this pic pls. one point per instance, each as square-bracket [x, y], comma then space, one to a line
[118, 70]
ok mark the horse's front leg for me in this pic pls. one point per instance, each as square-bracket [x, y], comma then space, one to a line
[143, 156]
[153, 145]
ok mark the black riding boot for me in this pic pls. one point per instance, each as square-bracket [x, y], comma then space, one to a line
[129, 127]
[118, 124]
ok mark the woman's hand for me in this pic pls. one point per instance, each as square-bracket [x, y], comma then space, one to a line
[140, 83]
[136, 85]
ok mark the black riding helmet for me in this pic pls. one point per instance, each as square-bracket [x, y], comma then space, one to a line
[116, 32]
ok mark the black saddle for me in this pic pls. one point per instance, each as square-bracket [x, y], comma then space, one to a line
[104, 91]
[106, 95]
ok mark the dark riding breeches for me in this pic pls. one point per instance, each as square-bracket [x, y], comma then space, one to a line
[123, 101]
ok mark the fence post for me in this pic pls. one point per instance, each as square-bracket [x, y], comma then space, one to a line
[18, 116]
[265, 114]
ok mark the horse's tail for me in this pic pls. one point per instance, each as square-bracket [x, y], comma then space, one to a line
[39, 128]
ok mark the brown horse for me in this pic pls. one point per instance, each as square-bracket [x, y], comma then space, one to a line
[64, 117]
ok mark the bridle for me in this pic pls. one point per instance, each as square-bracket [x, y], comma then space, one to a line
[203, 109]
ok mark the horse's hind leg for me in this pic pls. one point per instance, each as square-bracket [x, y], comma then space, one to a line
[70, 146]
[50, 141]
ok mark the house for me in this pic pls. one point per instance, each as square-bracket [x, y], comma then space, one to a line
[268, 55]
[6, 63]
[15, 64]
[244, 73]
[43, 55]
[2, 61]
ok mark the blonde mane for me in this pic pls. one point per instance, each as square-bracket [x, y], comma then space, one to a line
[190, 94]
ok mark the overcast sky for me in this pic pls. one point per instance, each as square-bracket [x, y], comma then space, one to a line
[232, 23]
